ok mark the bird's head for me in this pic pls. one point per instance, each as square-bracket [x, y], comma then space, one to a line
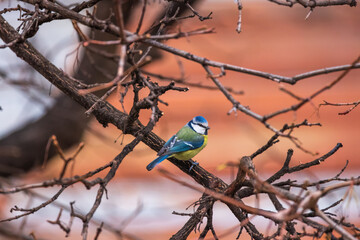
[199, 125]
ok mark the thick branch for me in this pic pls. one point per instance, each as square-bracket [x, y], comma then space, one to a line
[104, 112]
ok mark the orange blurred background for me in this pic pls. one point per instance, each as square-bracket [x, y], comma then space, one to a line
[274, 39]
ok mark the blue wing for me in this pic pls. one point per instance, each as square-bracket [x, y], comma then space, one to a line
[182, 146]
[167, 146]
[186, 139]
[183, 141]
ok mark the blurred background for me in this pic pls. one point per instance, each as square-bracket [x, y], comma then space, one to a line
[274, 39]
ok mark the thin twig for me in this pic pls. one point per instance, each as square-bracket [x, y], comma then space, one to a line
[239, 7]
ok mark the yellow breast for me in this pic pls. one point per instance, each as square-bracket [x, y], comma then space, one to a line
[190, 153]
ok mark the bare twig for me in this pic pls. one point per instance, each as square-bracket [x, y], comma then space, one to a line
[35, 209]
[353, 104]
[239, 7]
[201, 18]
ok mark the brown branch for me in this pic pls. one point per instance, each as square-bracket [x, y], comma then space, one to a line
[262, 119]
[183, 81]
[194, 220]
[120, 77]
[201, 18]
[353, 104]
[315, 3]
[107, 225]
[115, 165]
[272, 77]
[136, 38]
[35, 209]
[105, 113]
[141, 17]
[219, 196]
[239, 7]
[246, 192]
[215, 188]
[98, 231]
[315, 94]
[120, 19]
[334, 225]
[58, 222]
[111, 28]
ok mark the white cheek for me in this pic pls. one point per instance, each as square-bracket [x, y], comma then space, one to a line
[198, 129]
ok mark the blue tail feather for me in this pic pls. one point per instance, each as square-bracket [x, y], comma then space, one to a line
[156, 162]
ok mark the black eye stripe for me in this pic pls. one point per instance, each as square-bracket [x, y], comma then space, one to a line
[200, 125]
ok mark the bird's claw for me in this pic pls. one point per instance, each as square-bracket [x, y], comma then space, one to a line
[193, 163]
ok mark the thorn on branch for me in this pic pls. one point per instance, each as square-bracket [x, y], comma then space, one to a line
[308, 15]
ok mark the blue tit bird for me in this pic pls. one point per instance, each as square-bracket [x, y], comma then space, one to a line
[186, 143]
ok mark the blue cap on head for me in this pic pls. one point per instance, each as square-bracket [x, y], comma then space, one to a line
[199, 125]
[201, 120]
